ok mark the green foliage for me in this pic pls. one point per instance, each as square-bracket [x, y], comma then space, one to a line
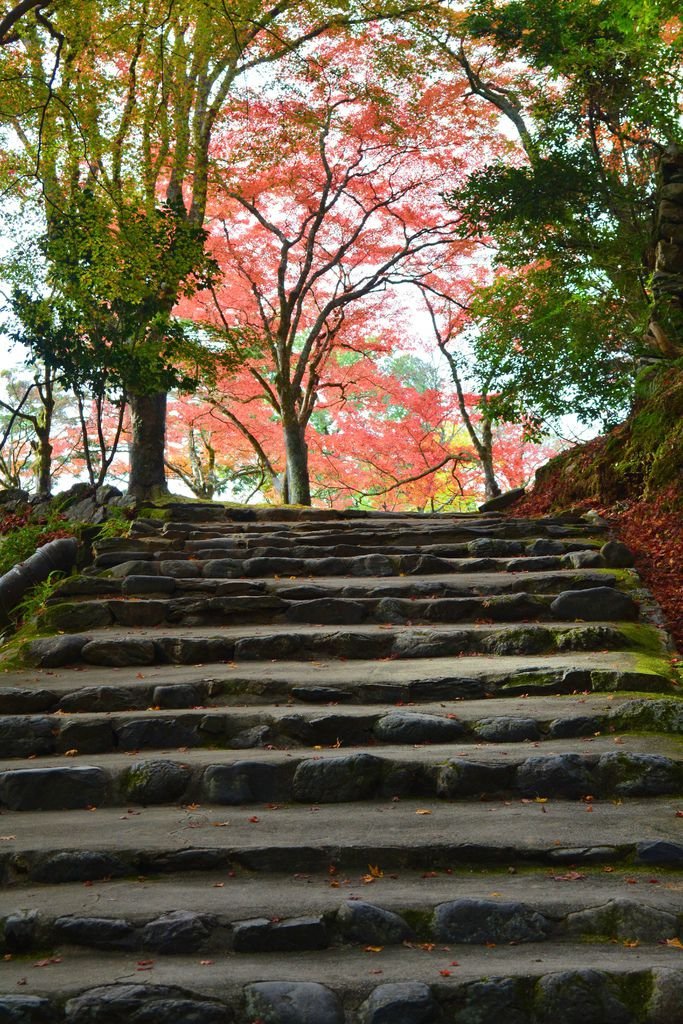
[20, 535]
[99, 314]
[34, 603]
[562, 327]
[551, 339]
[117, 524]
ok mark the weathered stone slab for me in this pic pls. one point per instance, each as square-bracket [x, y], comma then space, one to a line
[35, 789]
[284, 1002]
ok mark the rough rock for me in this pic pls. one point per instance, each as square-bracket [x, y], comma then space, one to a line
[560, 775]
[242, 782]
[95, 932]
[623, 919]
[413, 727]
[119, 653]
[286, 1002]
[55, 651]
[399, 1002]
[261, 935]
[180, 931]
[353, 777]
[34, 789]
[155, 782]
[366, 924]
[594, 604]
[478, 921]
[616, 555]
[580, 997]
[507, 730]
[502, 501]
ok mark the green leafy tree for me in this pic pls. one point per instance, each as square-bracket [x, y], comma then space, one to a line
[592, 90]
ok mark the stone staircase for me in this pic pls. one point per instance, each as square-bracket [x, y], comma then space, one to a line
[306, 767]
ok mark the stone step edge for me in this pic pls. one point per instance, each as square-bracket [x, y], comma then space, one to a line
[252, 728]
[211, 612]
[352, 922]
[63, 865]
[138, 696]
[221, 566]
[541, 583]
[618, 989]
[106, 647]
[327, 777]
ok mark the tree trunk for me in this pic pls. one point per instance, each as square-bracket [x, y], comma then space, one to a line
[491, 488]
[298, 483]
[147, 469]
[44, 470]
[665, 330]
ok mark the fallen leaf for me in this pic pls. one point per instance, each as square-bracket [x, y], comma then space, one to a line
[6, 839]
[373, 949]
[631, 943]
[254, 819]
[445, 974]
[71, 753]
[375, 871]
[675, 943]
[206, 963]
[423, 812]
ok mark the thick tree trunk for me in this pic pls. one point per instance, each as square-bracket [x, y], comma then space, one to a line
[491, 488]
[147, 468]
[44, 470]
[665, 330]
[298, 483]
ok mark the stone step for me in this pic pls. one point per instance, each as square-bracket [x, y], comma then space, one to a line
[600, 603]
[304, 684]
[56, 847]
[181, 565]
[245, 728]
[564, 769]
[447, 585]
[191, 645]
[351, 798]
[272, 546]
[534, 984]
[226, 912]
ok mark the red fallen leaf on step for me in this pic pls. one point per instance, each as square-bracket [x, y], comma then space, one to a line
[679, 814]
[145, 965]
[455, 963]
[47, 961]
[254, 819]
[206, 963]
[445, 974]
[571, 876]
